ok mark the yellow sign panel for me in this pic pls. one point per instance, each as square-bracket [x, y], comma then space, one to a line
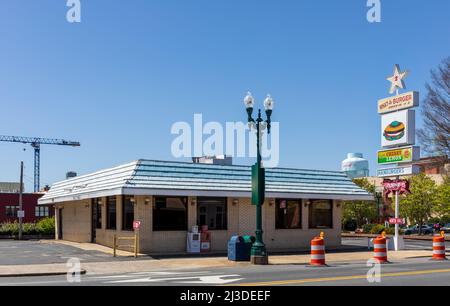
[400, 155]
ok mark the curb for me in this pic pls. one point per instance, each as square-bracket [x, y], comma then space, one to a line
[82, 272]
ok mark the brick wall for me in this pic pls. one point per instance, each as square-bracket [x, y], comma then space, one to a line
[241, 221]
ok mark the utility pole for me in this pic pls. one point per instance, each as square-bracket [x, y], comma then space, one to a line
[20, 212]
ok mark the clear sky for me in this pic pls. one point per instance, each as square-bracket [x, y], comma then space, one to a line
[118, 80]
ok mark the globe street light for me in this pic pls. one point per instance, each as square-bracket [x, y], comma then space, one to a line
[258, 251]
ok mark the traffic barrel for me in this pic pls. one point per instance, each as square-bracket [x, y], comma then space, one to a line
[318, 251]
[439, 247]
[380, 249]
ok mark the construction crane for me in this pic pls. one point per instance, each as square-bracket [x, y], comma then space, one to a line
[36, 143]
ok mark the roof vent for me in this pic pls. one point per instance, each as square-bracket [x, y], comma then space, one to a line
[222, 160]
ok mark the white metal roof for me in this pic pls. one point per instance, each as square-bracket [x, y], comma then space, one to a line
[149, 177]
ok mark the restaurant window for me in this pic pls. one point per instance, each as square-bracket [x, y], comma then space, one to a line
[170, 214]
[41, 211]
[212, 212]
[97, 213]
[11, 211]
[321, 214]
[127, 213]
[288, 214]
[111, 213]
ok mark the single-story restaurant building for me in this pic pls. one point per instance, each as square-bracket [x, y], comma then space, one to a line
[169, 198]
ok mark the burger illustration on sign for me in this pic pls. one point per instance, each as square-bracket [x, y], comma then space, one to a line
[394, 131]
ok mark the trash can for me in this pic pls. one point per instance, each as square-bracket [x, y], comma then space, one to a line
[248, 243]
[239, 248]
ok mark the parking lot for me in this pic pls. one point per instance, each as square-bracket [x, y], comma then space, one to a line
[14, 252]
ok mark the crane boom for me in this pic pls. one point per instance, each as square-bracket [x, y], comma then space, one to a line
[36, 142]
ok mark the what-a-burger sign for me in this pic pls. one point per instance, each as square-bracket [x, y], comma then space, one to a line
[400, 186]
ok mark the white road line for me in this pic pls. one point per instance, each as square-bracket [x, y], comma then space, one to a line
[149, 274]
[192, 279]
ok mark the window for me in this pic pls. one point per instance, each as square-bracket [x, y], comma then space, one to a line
[111, 213]
[212, 212]
[127, 213]
[11, 211]
[288, 214]
[321, 214]
[97, 213]
[41, 211]
[170, 214]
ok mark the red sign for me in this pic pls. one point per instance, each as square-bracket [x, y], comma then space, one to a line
[402, 186]
[399, 221]
[136, 225]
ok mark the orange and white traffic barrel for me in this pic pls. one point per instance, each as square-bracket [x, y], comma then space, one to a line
[439, 247]
[318, 251]
[380, 249]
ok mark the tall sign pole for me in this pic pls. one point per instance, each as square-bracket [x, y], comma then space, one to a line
[397, 141]
[20, 212]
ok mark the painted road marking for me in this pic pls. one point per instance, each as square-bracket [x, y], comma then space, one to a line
[181, 278]
[341, 278]
[148, 274]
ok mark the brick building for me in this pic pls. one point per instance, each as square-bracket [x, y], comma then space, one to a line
[169, 198]
[434, 165]
[9, 206]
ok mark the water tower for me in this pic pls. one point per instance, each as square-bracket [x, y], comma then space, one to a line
[355, 165]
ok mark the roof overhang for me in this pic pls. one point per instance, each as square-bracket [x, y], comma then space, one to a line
[205, 193]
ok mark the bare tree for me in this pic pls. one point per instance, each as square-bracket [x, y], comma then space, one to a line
[435, 136]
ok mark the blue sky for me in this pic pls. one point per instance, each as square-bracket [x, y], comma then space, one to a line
[118, 80]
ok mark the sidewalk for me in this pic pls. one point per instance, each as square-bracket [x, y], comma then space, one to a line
[148, 264]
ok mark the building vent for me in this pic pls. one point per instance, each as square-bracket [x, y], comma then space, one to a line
[70, 174]
[214, 160]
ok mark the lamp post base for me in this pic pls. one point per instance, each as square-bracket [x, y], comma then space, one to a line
[258, 255]
[259, 260]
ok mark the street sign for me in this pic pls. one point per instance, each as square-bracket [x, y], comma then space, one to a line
[398, 171]
[399, 155]
[136, 225]
[258, 185]
[400, 102]
[21, 214]
[399, 221]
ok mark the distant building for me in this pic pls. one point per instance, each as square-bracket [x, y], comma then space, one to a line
[9, 187]
[434, 165]
[9, 206]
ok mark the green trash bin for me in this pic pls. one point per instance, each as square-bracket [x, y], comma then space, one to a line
[248, 243]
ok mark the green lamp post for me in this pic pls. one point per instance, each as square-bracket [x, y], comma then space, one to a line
[258, 251]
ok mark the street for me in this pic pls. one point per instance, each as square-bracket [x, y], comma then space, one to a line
[420, 270]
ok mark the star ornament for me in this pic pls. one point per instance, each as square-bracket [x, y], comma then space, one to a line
[397, 79]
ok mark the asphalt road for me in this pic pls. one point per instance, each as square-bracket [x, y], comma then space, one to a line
[418, 272]
[13, 252]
